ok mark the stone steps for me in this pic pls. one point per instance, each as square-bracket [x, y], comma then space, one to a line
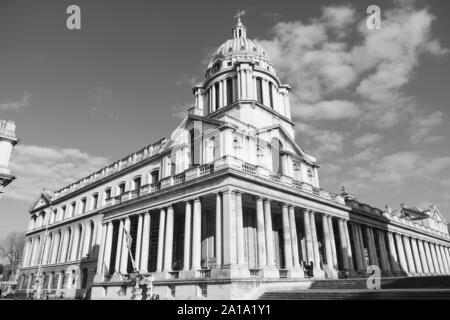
[388, 294]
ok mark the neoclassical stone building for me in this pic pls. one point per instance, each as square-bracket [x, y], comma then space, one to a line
[8, 140]
[226, 207]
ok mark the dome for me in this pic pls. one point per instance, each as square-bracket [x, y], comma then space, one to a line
[240, 45]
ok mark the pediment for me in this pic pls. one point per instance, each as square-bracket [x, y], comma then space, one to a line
[41, 203]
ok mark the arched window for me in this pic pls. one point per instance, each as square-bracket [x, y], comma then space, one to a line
[53, 216]
[276, 156]
[229, 91]
[296, 169]
[259, 90]
[121, 189]
[108, 194]
[196, 147]
[73, 208]
[94, 201]
[137, 183]
[154, 176]
[83, 205]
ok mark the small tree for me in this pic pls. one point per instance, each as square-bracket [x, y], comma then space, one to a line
[11, 249]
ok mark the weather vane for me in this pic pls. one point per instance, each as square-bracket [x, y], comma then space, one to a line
[239, 14]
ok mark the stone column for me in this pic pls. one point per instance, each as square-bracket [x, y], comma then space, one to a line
[218, 236]
[401, 253]
[294, 239]
[349, 248]
[373, 259]
[168, 250]
[125, 251]
[76, 244]
[333, 243]
[315, 242]
[395, 266]
[46, 249]
[423, 258]
[197, 235]
[187, 236]
[343, 241]
[437, 269]
[358, 254]
[328, 250]
[119, 248]
[444, 259]
[416, 256]
[269, 234]
[308, 236]
[447, 255]
[138, 240]
[363, 251]
[441, 263]
[262, 261]
[409, 256]
[107, 250]
[429, 257]
[286, 237]
[162, 223]
[239, 229]
[229, 230]
[383, 255]
[145, 243]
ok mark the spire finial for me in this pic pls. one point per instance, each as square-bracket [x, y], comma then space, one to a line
[239, 14]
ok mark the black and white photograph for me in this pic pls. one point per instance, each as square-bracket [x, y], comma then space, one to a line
[231, 152]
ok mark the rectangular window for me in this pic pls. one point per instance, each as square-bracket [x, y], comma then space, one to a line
[229, 91]
[121, 189]
[83, 205]
[94, 201]
[216, 86]
[259, 90]
[271, 94]
[155, 176]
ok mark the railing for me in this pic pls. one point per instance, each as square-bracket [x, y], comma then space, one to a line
[274, 177]
[297, 184]
[174, 274]
[108, 202]
[206, 169]
[135, 193]
[283, 273]
[249, 168]
[179, 178]
[255, 272]
[155, 187]
[204, 273]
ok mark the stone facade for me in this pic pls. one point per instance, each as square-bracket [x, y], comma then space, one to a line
[225, 208]
[7, 141]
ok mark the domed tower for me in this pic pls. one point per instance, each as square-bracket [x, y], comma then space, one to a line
[241, 81]
[7, 141]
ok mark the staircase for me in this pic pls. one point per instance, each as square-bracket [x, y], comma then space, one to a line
[406, 288]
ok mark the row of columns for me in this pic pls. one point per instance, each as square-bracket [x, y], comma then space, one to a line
[399, 254]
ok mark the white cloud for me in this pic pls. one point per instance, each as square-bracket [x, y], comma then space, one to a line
[367, 140]
[422, 125]
[368, 154]
[23, 102]
[48, 167]
[326, 110]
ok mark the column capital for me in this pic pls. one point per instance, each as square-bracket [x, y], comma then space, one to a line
[283, 205]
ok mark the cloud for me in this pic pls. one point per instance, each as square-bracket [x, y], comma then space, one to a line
[23, 102]
[422, 125]
[333, 58]
[325, 142]
[41, 167]
[367, 140]
[103, 100]
[366, 155]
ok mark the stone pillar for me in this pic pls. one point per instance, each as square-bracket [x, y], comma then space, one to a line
[363, 251]
[416, 256]
[168, 250]
[137, 253]
[333, 243]
[218, 236]
[197, 235]
[373, 259]
[125, 250]
[358, 254]
[286, 237]
[76, 244]
[343, 241]
[162, 224]
[308, 236]
[429, 257]
[229, 230]
[401, 254]
[315, 244]
[269, 234]
[240, 229]
[46, 249]
[423, 257]
[447, 256]
[262, 261]
[294, 239]
[383, 255]
[349, 248]
[145, 243]
[395, 265]
[437, 269]
[328, 250]
[187, 236]
[119, 248]
[444, 259]
[409, 256]
[441, 263]
[107, 250]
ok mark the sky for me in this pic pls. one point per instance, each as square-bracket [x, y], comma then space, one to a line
[372, 105]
